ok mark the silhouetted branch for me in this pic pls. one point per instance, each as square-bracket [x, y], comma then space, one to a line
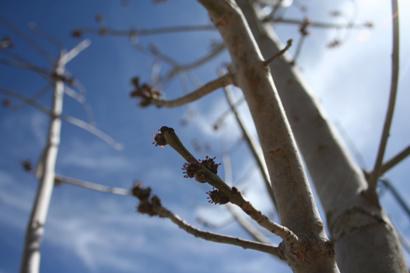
[396, 194]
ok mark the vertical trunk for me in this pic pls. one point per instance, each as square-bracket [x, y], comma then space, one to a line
[365, 240]
[294, 199]
[35, 227]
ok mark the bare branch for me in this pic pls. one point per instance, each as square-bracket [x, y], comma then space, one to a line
[70, 55]
[392, 98]
[204, 174]
[17, 63]
[73, 94]
[70, 119]
[134, 32]
[29, 101]
[218, 122]
[396, 194]
[280, 53]
[163, 212]
[152, 206]
[33, 44]
[92, 185]
[395, 160]
[317, 24]
[93, 130]
[247, 226]
[179, 68]
[148, 96]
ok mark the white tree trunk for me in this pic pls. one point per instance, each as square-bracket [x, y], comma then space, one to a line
[35, 228]
[312, 253]
[364, 238]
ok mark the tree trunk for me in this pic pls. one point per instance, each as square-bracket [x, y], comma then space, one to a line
[365, 240]
[311, 253]
[35, 228]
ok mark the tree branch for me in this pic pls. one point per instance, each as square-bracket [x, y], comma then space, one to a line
[179, 68]
[392, 98]
[149, 96]
[70, 119]
[92, 185]
[204, 174]
[133, 32]
[152, 206]
[316, 24]
[395, 160]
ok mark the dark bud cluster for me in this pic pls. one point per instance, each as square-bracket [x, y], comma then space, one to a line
[77, 33]
[6, 103]
[194, 169]
[6, 42]
[217, 197]
[149, 204]
[159, 138]
[303, 29]
[26, 165]
[145, 92]
[209, 163]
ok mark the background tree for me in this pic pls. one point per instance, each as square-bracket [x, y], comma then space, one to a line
[149, 118]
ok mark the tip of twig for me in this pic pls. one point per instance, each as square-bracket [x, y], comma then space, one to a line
[280, 53]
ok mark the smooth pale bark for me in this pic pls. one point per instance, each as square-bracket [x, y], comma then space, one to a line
[294, 199]
[365, 240]
[35, 227]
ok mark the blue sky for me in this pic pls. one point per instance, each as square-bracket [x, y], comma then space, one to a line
[95, 232]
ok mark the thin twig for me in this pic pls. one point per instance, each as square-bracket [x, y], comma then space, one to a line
[247, 226]
[196, 94]
[25, 65]
[395, 160]
[70, 119]
[179, 68]
[396, 194]
[279, 53]
[33, 44]
[71, 54]
[392, 99]
[298, 48]
[163, 212]
[151, 205]
[92, 185]
[93, 130]
[134, 32]
[252, 231]
[218, 122]
[317, 24]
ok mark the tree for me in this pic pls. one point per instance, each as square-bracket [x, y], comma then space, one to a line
[352, 211]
